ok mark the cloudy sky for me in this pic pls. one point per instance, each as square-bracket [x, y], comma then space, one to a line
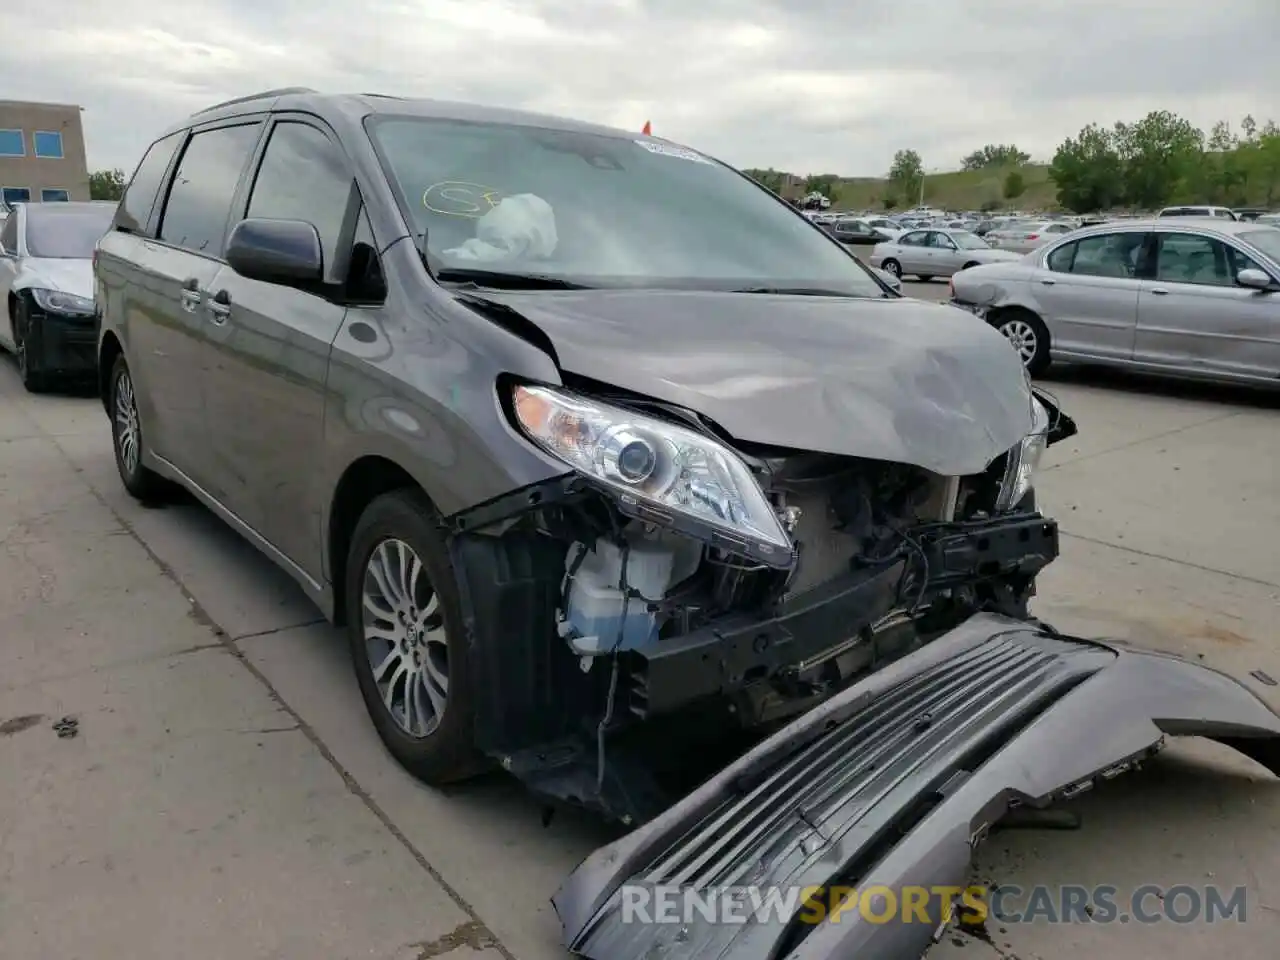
[803, 85]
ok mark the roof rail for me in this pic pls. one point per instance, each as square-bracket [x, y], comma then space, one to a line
[264, 95]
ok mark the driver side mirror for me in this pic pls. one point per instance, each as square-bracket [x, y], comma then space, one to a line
[285, 252]
[1255, 279]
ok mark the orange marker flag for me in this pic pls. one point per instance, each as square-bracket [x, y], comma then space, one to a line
[648, 130]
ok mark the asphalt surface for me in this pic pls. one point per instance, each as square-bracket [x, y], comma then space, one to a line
[225, 797]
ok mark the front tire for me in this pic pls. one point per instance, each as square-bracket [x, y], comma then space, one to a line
[408, 645]
[142, 483]
[33, 378]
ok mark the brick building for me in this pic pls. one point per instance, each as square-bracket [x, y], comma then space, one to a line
[42, 153]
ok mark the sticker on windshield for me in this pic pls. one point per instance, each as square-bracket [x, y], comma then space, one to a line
[670, 150]
[461, 198]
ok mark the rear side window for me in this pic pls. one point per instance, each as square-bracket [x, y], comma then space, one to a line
[195, 216]
[304, 176]
[140, 196]
[1060, 260]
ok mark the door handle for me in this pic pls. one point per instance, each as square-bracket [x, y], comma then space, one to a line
[220, 307]
[1158, 291]
[190, 295]
[1048, 281]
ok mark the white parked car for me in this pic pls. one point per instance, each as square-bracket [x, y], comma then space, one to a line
[935, 253]
[1023, 236]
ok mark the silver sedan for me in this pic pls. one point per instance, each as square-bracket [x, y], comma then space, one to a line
[1194, 298]
[934, 253]
[1023, 236]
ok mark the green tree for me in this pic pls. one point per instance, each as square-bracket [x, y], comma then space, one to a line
[995, 155]
[890, 201]
[1157, 154]
[1264, 165]
[907, 173]
[1087, 171]
[823, 183]
[770, 178]
[106, 184]
[1014, 185]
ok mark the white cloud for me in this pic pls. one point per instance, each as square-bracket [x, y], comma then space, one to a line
[818, 85]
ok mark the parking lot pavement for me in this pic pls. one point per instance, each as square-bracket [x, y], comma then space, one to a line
[225, 772]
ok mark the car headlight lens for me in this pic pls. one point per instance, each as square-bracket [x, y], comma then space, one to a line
[55, 301]
[1024, 459]
[657, 464]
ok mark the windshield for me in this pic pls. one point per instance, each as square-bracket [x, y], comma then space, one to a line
[66, 233]
[601, 211]
[1267, 240]
[969, 241]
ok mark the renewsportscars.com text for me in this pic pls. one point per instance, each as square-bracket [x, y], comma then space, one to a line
[1068, 903]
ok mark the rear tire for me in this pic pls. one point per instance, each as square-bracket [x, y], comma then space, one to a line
[406, 633]
[142, 483]
[1028, 335]
[892, 266]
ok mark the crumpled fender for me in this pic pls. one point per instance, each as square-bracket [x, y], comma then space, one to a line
[996, 714]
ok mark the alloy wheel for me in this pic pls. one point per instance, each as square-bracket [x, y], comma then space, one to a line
[128, 435]
[1022, 337]
[405, 639]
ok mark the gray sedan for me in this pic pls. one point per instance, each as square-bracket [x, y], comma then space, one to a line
[934, 253]
[1197, 298]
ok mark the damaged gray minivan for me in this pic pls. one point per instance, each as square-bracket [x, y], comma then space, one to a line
[619, 473]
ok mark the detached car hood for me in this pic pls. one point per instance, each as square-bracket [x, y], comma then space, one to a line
[892, 784]
[898, 380]
[66, 276]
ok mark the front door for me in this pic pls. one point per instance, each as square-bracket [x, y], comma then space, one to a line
[1194, 316]
[268, 349]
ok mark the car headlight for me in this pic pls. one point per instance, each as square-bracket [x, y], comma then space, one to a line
[1024, 459]
[55, 301]
[675, 472]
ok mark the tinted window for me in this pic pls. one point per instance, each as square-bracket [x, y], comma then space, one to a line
[304, 176]
[195, 215]
[942, 240]
[65, 232]
[916, 239]
[600, 209]
[140, 195]
[1108, 255]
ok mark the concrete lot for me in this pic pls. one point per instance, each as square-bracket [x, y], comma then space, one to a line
[225, 796]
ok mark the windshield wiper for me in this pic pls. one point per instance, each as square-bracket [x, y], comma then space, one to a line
[506, 281]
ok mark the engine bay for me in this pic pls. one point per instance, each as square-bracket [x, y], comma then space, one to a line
[611, 636]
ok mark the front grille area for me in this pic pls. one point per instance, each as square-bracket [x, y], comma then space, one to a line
[821, 792]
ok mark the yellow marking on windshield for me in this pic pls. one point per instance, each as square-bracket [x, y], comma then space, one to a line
[461, 198]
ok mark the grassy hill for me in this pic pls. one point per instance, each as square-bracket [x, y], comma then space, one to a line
[960, 190]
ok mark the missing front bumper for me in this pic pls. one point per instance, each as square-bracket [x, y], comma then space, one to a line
[893, 782]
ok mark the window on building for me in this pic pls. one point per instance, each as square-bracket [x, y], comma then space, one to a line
[54, 195]
[17, 195]
[48, 144]
[11, 144]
